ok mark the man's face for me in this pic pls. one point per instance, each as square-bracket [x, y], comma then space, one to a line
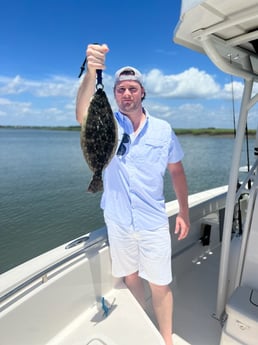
[128, 95]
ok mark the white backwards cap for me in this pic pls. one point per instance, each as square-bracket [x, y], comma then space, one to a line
[128, 73]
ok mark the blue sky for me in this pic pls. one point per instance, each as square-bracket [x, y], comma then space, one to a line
[42, 46]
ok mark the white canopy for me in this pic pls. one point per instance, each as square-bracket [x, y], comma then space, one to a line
[227, 31]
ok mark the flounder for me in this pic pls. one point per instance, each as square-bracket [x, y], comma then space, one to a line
[98, 138]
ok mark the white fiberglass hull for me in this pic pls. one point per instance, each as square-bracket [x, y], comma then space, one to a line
[56, 298]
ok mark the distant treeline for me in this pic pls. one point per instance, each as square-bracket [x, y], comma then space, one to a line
[209, 131]
[178, 131]
[54, 128]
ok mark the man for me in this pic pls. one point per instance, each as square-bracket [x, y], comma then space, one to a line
[133, 201]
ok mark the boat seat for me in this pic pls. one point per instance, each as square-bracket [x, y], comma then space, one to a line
[249, 270]
[241, 326]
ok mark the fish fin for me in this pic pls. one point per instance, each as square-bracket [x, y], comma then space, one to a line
[96, 184]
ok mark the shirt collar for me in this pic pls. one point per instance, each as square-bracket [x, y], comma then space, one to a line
[126, 123]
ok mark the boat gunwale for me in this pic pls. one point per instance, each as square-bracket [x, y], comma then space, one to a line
[43, 273]
[99, 238]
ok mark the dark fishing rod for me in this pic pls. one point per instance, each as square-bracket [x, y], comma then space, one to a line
[237, 218]
[82, 67]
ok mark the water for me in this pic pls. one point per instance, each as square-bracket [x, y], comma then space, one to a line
[43, 199]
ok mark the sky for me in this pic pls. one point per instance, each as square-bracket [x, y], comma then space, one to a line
[43, 43]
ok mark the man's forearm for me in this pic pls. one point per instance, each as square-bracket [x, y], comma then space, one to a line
[180, 187]
[181, 190]
[84, 95]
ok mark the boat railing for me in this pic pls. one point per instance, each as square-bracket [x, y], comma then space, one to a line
[246, 104]
[77, 241]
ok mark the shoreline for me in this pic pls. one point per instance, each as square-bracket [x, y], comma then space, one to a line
[211, 131]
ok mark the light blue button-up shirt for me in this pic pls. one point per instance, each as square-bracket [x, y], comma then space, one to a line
[133, 183]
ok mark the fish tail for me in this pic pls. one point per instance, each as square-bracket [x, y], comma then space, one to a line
[96, 184]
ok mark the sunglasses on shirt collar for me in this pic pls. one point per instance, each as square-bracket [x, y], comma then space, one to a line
[122, 147]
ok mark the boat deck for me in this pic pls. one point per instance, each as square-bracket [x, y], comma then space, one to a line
[194, 293]
[126, 323]
[194, 288]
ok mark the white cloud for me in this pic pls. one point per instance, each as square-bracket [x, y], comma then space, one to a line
[190, 114]
[55, 86]
[192, 98]
[4, 101]
[191, 83]
[9, 107]
[234, 89]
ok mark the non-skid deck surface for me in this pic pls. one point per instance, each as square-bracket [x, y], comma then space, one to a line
[194, 293]
[126, 324]
[195, 300]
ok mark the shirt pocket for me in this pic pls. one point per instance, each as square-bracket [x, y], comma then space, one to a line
[152, 151]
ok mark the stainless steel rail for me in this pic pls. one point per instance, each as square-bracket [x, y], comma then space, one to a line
[77, 241]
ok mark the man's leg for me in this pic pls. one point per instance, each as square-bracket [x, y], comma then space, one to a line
[162, 300]
[135, 285]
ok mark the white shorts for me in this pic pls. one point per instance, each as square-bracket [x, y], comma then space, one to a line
[145, 251]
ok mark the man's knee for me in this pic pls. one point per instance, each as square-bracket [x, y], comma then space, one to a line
[160, 289]
[131, 278]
